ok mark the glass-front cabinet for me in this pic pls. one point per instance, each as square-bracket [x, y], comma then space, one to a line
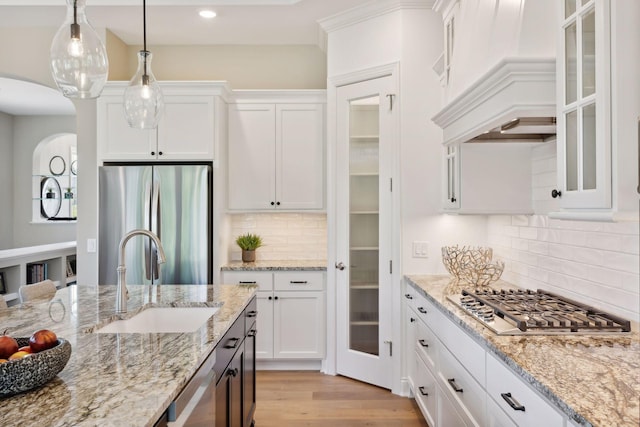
[584, 124]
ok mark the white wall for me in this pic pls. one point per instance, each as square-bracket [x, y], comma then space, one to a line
[28, 131]
[6, 178]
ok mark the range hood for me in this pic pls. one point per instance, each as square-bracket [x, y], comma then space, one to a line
[515, 101]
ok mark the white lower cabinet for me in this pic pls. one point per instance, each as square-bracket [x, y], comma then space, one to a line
[456, 382]
[291, 313]
[425, 389]
[466, 395]
[522, 404]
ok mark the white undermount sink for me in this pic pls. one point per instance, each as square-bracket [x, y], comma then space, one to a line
[161, 320]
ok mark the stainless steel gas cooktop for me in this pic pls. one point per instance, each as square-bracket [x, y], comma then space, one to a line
[527, 312]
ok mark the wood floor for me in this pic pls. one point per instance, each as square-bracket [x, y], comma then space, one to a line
[304, 398]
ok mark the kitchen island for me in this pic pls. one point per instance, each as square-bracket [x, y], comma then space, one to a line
[116, 379]
[594, 380]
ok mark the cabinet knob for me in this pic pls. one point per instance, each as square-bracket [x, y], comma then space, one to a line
[412, 319]
[276, 297]
[556, 193]
[278, 203]
[453, 200]
[159, 153]
[273, 203]
[153, 153]
[270, 298]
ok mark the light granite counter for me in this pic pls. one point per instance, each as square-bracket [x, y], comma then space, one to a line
[284, 265]
[593, 379]
[116, 379]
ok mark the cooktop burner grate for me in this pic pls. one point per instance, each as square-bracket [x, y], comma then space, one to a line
[531, 311]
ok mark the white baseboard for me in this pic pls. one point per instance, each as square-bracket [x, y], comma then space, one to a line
[288, 365]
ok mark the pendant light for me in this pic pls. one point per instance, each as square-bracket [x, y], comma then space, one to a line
[143, 98]
[78, 59]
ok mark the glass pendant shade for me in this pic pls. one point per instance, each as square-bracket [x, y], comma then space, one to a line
[143, 103]
[78, 58]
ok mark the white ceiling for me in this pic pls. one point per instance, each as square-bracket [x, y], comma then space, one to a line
[175, 22]
[169, 22]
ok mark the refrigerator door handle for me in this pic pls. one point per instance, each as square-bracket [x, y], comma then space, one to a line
[147, 226]
[155, 228]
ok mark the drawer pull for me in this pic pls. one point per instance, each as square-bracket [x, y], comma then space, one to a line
[412, 319]
[298, 282]
[252, 313]
[252, 333]
[515, 405]
[236, 341]
[232, 372]
[422, 392]
[452, 383]
[423, 343]
[422, 310]
[408, 296]
[247, 283]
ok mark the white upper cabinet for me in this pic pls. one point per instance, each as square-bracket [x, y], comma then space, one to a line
[584, 107]
[487, 178]
[598, 100]
[276, 155]
[186, 131]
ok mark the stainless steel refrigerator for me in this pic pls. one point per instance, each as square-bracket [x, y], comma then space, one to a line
[172, 201]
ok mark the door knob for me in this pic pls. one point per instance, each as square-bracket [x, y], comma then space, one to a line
[340, 266]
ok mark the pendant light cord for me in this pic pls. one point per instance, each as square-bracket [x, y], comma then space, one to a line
[144, 33]
[75, 11]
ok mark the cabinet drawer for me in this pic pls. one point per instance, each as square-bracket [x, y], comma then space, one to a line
[426, 345]
[299, 281]
[523, 405]
[462, 389]
[426, 312]
[470, 354]
[228, 345]
[425, 391]
[264, 279]
[496, 416]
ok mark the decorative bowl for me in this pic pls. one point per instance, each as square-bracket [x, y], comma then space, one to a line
[17, 376]
[458, 259]
[482, 275]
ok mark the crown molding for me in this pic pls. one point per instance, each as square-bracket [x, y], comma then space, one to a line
[369, 11]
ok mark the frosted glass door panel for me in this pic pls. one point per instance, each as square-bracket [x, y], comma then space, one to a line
[363, 224]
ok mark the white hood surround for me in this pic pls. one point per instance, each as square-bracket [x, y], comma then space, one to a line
[501, 59]
[513, 88]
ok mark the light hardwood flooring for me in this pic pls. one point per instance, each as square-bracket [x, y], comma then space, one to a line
[306, 398]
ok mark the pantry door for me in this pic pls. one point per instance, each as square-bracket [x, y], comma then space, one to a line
[364, 152]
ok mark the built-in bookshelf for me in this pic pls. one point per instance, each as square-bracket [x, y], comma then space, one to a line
[23, 266]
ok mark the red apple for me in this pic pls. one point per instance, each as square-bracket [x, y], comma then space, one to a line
[26, 348]
[8, 346]
[42, 340]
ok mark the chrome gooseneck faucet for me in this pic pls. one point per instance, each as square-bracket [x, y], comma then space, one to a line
[121, 292]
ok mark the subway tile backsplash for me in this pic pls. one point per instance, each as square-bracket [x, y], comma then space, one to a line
[596, 263]
[285, 236]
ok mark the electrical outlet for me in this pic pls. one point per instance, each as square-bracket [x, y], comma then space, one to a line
[420, 249]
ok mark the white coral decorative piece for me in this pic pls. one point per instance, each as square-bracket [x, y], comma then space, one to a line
[472, 265]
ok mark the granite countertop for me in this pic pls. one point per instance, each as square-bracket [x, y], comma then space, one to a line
[116, 379]
[594, 380]
[284, 265]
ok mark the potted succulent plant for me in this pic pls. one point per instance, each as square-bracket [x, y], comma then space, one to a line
[249, 243]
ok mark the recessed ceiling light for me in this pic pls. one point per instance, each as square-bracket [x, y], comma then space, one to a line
[207, 14]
